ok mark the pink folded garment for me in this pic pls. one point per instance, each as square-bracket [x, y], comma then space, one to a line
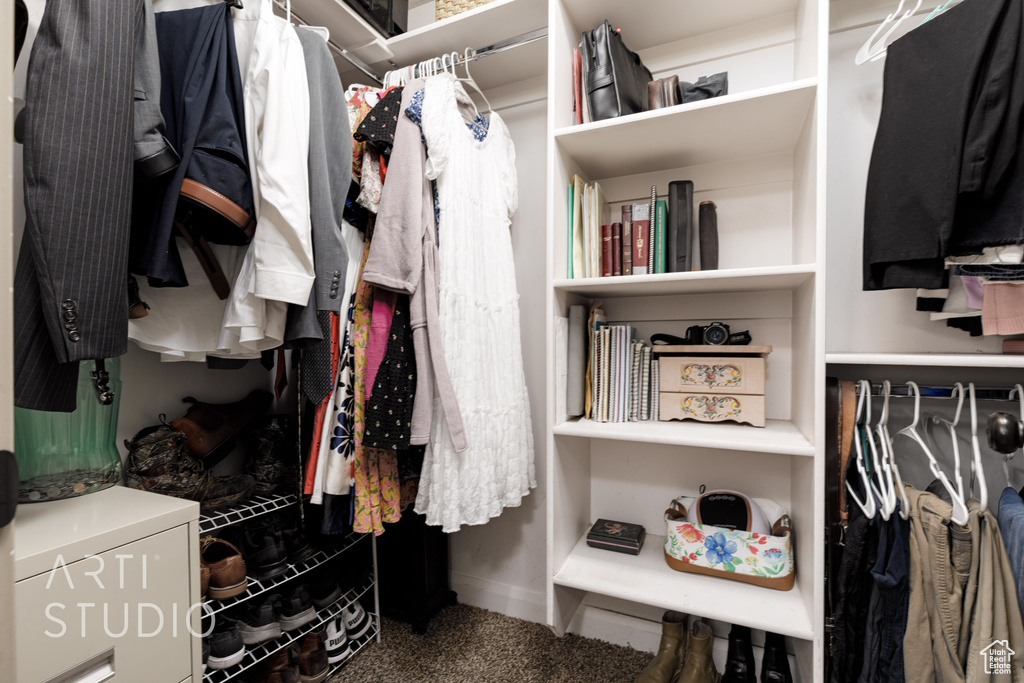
[1003, 309]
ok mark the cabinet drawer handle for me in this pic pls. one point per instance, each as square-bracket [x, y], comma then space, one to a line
[95, 670]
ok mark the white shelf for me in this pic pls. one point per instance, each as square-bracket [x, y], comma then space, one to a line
[647, 579]
[778, 436]
[966, 360]
[347, 28]
[675, 20]
[746, 125]
[764, 278]
[479, 27]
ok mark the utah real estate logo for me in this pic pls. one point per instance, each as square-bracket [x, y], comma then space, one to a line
[997, 657]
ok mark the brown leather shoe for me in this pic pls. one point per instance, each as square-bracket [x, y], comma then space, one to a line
[211, 428]
[671, 650]
[204, 579]
[280, 667]
[313, 666]
[226, 566]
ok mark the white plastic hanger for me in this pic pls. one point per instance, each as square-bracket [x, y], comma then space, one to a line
[959, 505]
[868, 505]
[881, 487]
[886, 440]
[958, 392]
[885, 475]
[977, 472]
[469, 80]
[872, 50]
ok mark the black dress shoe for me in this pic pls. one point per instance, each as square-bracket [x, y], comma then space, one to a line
[775, 666]
[739, 666]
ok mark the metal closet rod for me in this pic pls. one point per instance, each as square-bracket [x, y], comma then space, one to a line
[498, 47]
[336, 49]
[946, 392]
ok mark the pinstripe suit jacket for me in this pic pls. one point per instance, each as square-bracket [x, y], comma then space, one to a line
[70, 295]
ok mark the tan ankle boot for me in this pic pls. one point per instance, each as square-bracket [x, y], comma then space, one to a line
[699, 666]
[670, 651]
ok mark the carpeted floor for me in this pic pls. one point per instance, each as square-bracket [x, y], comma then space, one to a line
[470, 645]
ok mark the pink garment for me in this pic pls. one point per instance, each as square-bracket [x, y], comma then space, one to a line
[975, 289]
[380, 327]
[1003, 309]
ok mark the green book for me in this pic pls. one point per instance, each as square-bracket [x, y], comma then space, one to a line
[660, 234]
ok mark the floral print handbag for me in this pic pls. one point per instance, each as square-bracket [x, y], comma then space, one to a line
[763, 560]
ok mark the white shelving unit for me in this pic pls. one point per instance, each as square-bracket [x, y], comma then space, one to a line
[759, 154]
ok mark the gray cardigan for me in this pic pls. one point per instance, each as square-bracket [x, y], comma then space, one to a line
[403, 257]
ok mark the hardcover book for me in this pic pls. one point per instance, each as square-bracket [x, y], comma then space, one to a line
[619, 537]
[607, 258]
[616, 248]
[627, 239]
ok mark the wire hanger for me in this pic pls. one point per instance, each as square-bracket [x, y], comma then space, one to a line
[867, 505]
[886, 440]
[960, 513]
[977, 472]
[871, 50]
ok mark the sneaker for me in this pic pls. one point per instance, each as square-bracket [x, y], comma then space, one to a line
[326, 592]
[297, 608]
[206, 653]
[226, 568]
[226, 646]
[338, 648]
[270, 454]
[313, 662]
[264, 550]
[259, 620]
[357, 621]
[296, 547]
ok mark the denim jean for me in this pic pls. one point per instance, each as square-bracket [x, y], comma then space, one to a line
[890, 575]
[853, 590]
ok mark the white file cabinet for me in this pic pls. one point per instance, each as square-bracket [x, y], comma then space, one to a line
[105, 590]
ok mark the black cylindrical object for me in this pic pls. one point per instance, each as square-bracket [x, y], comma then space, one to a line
[708, 218]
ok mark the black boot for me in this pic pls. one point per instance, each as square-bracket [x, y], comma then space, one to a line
[739, 666]
[775, 667]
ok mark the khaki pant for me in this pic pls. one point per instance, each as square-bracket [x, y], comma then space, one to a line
[963, 619]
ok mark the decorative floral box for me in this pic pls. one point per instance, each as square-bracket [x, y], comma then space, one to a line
[712, 383]
[744, 556]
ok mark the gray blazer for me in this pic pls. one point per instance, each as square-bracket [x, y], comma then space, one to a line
[330, 170]
[70, 295]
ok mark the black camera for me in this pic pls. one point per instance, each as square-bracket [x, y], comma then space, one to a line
[715, 334]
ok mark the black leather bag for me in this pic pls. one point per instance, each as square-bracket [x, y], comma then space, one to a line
[614, 77]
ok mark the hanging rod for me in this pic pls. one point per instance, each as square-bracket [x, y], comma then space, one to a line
[336, 49]
[498, 47]
[982, 394]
